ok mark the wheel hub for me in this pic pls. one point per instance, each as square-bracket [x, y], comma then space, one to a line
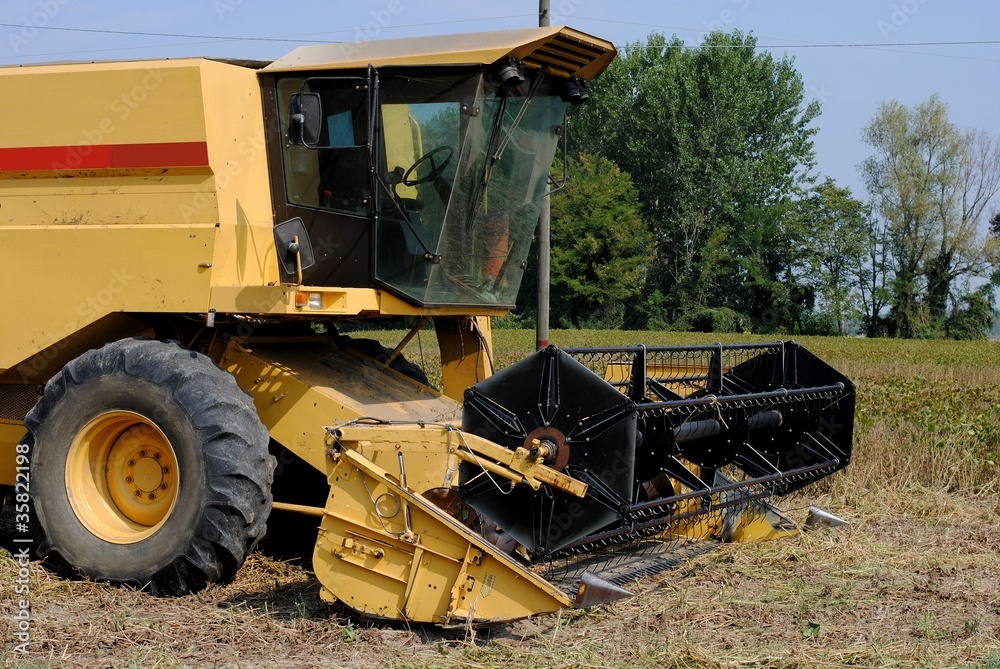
[121, 477]
[147, 475]
[140, 475]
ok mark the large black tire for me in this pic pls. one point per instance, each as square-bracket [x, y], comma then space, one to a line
[149, 466]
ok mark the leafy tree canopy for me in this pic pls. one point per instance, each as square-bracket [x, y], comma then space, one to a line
[930, 184]
[713, 137]
[601, 248]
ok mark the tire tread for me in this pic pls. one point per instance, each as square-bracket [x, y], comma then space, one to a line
[239, 470]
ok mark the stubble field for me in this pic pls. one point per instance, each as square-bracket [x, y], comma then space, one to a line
[914, 581]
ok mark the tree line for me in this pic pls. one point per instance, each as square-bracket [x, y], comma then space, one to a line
[694, 204]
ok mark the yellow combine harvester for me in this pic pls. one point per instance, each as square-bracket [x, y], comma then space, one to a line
[189, 234]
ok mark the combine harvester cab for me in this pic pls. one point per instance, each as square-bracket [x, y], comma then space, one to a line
[207, 228]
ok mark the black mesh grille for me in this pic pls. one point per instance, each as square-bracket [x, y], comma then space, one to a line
[16, 400]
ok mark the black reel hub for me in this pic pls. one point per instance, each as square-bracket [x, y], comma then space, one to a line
[589, 429]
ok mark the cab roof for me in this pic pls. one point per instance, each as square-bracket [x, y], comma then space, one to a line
[564, 51]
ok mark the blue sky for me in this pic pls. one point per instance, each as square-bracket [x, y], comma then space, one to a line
[849, 81]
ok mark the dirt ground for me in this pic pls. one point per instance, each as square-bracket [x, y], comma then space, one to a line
[905, 585]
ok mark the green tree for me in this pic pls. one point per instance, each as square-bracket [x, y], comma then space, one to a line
[975, 317]
[714, 137]
[931, 184]
[962, 249]
[834, 240]
[873, 271]
[601, 248]
[752, 268]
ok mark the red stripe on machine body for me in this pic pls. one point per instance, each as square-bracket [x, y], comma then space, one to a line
[103, 156]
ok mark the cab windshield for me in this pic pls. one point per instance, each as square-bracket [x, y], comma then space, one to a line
[462, 169]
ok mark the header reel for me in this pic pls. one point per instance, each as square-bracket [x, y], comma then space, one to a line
[663, 437]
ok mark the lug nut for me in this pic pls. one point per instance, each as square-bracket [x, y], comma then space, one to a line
[128, 479]
[152, 496]
[156, 456]
[142, 454]
[131, 463]
[138, 493]
[163, 486]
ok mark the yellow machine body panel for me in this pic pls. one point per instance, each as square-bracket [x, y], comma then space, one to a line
[300, 390]
[136, 188]
[130, 269]
[79, 109]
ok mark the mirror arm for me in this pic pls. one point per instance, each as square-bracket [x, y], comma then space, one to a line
[294, 248]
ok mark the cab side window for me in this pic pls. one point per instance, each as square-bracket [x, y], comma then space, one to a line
[334, 174]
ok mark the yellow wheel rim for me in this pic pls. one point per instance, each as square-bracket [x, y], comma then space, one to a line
[121, 477]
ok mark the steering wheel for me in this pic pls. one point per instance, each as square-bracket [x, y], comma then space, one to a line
[437, 168]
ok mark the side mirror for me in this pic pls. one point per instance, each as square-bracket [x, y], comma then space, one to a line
[295, 252]
[305, 119]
